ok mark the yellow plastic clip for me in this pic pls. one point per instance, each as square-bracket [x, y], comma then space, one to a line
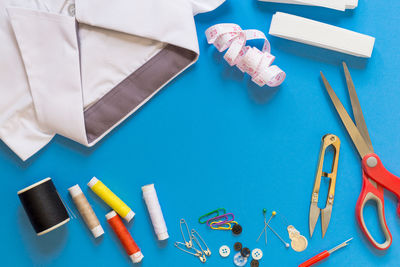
[233, 223]
[225, 226]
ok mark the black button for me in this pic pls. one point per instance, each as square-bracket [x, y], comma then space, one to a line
[237, 246]
[245, 252]
[254, 263]
[237, 229]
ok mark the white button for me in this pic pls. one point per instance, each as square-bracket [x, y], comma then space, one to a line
[257, 254]
[224, 251]
[239, 260]
[71, 9]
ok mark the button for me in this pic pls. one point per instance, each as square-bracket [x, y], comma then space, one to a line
[254, 263]
[239, 260]
[245, 252]
[237, 246]
[237, 229]
[71, 9]
[257, 254]
[224, 251]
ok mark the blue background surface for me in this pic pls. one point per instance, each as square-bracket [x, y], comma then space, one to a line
[214, 139]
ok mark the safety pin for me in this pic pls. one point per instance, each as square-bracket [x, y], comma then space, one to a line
[190, 243]
[216, 212]
[225, 216]
[197, 254]
[208, 251]
[202, 256]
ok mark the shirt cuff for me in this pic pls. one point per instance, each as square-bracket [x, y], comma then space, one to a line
[202, 6]
[22, 134]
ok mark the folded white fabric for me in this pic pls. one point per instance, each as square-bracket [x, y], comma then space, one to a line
[320, 34]
[79, 68]
[341, 5]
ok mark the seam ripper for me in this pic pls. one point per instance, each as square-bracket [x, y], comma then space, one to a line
[324, 254]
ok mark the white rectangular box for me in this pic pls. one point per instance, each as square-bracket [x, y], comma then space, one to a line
[320, 34]
[341, 5]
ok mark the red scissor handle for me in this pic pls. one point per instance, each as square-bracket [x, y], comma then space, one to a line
[373, 170]
[370, 192]
[373, 167]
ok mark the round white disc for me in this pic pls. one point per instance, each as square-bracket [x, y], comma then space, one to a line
[257, 254]
[224, 251]
[299, 243]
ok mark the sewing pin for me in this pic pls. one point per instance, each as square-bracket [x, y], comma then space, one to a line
[265, 224]
[280, 238]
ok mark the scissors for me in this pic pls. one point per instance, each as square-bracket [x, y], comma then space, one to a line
[374, 174]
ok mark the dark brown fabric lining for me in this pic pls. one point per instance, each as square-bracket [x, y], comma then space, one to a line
[132, 91]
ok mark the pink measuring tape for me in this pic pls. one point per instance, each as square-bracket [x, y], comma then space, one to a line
[248, 59]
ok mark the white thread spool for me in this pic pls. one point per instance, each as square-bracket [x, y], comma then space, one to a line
[154, 208]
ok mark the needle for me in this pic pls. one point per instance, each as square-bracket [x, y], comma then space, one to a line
[324, 254]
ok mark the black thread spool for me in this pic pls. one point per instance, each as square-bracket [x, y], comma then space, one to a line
[44, 207]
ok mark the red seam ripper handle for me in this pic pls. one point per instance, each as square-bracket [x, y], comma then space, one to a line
[370, 192]
[317, 258]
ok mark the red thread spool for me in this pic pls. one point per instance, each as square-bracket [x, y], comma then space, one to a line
[124, 236]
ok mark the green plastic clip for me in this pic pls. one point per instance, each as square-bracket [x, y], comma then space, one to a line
[212, 214]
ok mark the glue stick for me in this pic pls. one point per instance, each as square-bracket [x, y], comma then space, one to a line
[111, 199]
[124, 237]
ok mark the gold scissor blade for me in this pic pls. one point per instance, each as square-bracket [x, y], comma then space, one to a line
[313, 216]
[351, 128]
[357, 111]
[325, 218]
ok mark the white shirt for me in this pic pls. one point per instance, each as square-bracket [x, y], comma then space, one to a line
[78, 68]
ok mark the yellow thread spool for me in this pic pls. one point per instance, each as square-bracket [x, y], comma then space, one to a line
[111, 199]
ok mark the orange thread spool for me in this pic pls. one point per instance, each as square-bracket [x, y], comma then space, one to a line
[124, 236]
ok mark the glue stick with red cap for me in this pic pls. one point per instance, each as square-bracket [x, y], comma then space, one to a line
[124, 236]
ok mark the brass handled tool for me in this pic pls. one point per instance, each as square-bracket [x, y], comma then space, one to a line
[327, 140]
